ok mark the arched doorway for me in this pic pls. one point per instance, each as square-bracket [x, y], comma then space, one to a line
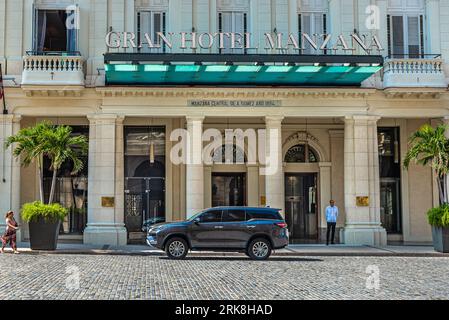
[301, 194]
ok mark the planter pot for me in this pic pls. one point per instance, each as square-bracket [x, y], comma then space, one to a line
[440, 237]
[44, 235]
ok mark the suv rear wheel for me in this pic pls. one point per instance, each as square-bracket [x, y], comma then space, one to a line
[176, 248]
[259, 249]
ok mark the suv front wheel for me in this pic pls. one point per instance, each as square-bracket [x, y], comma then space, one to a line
[259, 249]
[176, 248]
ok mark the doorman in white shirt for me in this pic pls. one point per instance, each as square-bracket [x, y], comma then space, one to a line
[331, 218]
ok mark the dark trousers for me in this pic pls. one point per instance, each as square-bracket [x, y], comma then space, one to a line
[331, 228]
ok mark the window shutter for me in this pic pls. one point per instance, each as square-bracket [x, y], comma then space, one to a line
[307, 28]
[389, 34]
[398, 44]
[164, 27]
[139, 31]
[35, 28]
[422, 40]
[413, 36]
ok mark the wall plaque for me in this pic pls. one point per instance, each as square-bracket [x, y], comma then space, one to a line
[107, 202]
[235, 103]
[362, 201]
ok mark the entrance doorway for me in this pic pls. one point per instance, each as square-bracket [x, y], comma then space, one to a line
[301, 211]
[228, 189]
[144, 180]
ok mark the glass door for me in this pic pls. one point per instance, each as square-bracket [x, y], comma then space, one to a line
[228, 189]
[144, 203]
[301, 207]
[144, 179]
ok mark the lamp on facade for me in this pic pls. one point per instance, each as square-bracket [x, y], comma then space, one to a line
[152, 153]
[152, 156]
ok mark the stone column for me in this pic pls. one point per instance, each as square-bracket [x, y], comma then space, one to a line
[325, 193]
[363, 226]
[194, 166]
[274, 173]
[10, 172]
[105, 223]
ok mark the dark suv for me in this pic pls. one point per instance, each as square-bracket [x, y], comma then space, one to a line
[255, 231]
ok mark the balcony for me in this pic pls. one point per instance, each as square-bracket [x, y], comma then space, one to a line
[53, 69]
[407, 72]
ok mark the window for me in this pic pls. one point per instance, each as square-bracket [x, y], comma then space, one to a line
[234, 215]
[263, 214]
[211, 216]
[390, 179]
[55, 31]
[312, 20]
[236, 155]
[152, 23]
[233, 22]
[406, 36]
[70, 190]
[313, 24]
[297, 154]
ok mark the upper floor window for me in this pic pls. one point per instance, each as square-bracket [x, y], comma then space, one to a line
[151, 23]
[232, 22]
[233, 18]
[55, 30]
[405, 27]
[312, 20]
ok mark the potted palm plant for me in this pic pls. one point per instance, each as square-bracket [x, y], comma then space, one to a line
[430, 147]
[59, 145]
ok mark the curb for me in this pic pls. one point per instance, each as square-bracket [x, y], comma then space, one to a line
[236, 254]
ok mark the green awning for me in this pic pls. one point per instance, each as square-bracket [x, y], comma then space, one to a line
[245, 75]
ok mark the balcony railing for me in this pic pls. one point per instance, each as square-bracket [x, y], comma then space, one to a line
[53, 69]
[426, 71]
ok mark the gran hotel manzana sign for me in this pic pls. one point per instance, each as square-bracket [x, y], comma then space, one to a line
[320, 43]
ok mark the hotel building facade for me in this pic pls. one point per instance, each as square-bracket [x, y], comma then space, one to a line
[344, 116]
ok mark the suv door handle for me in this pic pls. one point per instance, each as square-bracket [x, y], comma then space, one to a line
[251, 227]
[218, 227]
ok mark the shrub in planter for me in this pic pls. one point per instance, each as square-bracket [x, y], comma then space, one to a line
[439, 220]
[44, 221]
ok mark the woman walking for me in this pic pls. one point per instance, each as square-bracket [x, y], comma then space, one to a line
[10, 234]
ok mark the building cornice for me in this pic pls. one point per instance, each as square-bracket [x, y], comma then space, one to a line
[414, 93]
[232, 93]
[53, 91]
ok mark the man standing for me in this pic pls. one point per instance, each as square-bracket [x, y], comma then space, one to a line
[331, 218]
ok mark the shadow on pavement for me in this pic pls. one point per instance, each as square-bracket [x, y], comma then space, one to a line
[296, 259]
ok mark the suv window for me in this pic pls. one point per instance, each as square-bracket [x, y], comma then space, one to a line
[211, 216]
[234, 215]
[264, 214]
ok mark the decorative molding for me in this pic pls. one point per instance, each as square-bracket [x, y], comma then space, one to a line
[330, 93]
[414, 93]
[302, 137]
[233, 5]
[305, 6]
[161, 5]
[53, 91]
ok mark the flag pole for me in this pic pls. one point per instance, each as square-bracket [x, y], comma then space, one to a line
[2, 90]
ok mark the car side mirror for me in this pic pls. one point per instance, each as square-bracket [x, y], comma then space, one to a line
[196, 221]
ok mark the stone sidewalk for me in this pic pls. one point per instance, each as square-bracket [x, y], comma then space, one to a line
[292, 250]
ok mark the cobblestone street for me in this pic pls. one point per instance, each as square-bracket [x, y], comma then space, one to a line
[148, 277]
